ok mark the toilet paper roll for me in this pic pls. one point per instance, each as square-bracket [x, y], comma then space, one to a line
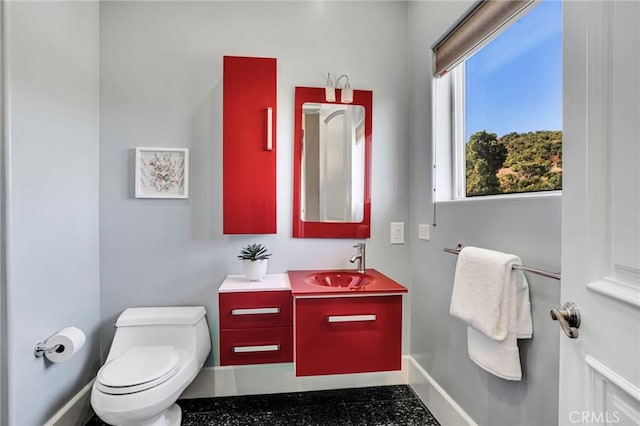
[70, 339]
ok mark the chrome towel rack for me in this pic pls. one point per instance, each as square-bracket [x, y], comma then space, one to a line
[554, 275]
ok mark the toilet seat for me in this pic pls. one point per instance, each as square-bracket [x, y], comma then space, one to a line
[138, 369]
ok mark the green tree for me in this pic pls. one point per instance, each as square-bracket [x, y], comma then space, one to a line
[554, 180]
[485, 155]
[509, 183]
[531, 168]
[515, 162]
[534, 161]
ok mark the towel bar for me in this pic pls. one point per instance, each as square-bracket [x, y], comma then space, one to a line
[554, 275]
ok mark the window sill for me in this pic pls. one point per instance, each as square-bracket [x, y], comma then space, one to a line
[546, 195]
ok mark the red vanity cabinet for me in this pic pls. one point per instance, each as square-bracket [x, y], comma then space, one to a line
[249, 145]
[337, 335]
[256, 327]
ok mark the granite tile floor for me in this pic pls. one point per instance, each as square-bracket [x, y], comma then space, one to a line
[380, 405]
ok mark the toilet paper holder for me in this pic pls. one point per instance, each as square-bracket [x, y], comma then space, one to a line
[62, 345]
[41, 349]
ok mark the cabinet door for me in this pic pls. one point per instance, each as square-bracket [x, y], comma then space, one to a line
[348, 335]
[249, 145]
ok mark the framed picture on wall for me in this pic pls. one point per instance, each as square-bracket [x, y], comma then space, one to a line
[162, 172]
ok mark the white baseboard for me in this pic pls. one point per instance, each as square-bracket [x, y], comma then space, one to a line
[279, 378]
[75, 412]
[441, 405]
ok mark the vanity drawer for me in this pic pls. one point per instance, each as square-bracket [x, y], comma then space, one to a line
[348, 335]
[258, 309]
[256, 346]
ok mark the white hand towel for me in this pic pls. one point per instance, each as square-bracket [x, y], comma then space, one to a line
[484, 288]
[494, 301]
[502, 358]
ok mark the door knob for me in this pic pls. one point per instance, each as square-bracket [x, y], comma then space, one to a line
[569, 319]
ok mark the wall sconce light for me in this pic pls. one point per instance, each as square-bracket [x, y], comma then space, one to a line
[330, 91]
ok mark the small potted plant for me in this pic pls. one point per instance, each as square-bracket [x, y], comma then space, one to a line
[254, 261]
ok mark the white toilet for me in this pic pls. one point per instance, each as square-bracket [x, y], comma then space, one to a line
[156, 353]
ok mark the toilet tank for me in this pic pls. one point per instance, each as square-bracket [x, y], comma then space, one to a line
[166, 315]
[184, 327]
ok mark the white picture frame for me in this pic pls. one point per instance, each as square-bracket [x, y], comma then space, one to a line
[162, 172]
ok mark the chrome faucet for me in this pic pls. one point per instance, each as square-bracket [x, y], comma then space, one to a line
[359, 256]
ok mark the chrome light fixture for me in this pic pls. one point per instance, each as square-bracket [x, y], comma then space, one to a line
[330, 91]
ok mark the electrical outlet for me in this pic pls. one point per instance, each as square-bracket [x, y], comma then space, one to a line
[397, 232]
[424, 232]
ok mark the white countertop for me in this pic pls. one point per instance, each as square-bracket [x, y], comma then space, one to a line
[270, 282]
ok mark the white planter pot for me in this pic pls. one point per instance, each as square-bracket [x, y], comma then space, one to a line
[254, 270]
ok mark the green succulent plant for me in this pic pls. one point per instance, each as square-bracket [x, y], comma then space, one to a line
[254, 252]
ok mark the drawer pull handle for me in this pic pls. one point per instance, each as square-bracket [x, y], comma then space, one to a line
[255, 311]
[269, 129]
[350, 318]
[262, 348]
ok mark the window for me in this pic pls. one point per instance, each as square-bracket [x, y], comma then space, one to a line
[506, 103]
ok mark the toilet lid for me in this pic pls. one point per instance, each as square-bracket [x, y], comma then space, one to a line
[139, 366]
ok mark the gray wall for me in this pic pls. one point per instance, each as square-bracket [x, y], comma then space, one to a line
[3, 269]
[51, 198]
[161, 85]
[528, 227]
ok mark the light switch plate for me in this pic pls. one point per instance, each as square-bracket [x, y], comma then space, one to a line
[397, 232]
[424, 232]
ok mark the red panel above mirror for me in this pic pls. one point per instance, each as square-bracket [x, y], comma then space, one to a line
[332, 165]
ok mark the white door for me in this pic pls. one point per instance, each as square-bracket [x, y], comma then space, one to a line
[3, 411]
[600, 370]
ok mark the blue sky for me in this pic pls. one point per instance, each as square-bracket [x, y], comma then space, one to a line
[514, 84]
